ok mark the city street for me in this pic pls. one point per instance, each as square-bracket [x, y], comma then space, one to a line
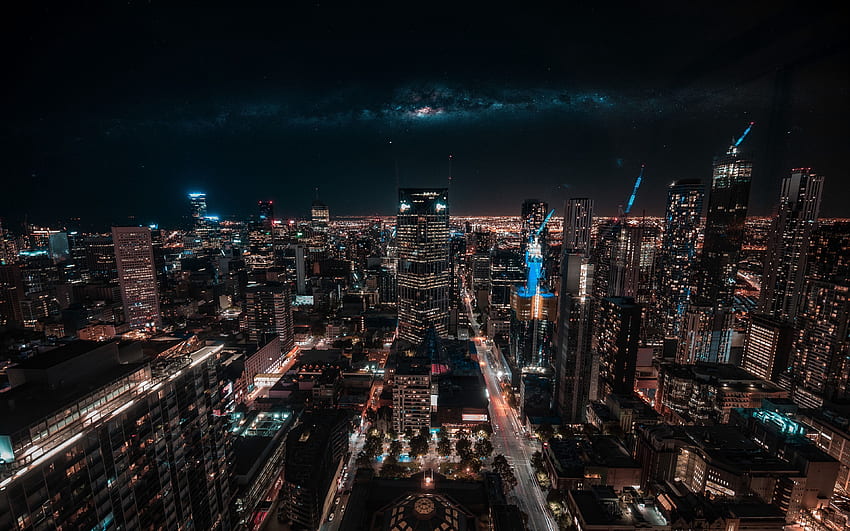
[510, 440]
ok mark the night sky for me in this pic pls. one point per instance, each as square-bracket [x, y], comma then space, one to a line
[122, 110]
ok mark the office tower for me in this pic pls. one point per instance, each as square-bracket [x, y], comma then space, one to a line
[301, 269]
[11, 292]
[506, 271]
[422, 240]
[315, 450]
[632, 269]
[533, 213]
[91, 443]
[767, 347]
[678, 253]
[578, 222]
[785, 266]
[266, 211]
[320, 215]
[197, 207]
[617, 344]
[268, 313]
[724, 226]
[705, 334]
[819, 369]
[603, 255]
[100, 258]
[574, 369]
[136, 276]
[533, 309]
[58, 247]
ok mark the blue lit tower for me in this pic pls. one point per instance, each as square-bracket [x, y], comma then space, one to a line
[424, 275]
[197, 207]
[678, 250]
[533, 308]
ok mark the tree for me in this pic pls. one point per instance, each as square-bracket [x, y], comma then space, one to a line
[545, 431]
[483, 448]
[371, 415]
[425, 432]
[506, 473]
[363, 460]
[463, 448]
[373, 446]
[486, 429]
[418, 446]
[395, 449]
[537, 462]
[391, 468]
[408, 433]
[444, 446]
[471, 465]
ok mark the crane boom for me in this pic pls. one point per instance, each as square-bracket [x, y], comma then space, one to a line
[743, 136]
[543, 225]
[635, 190]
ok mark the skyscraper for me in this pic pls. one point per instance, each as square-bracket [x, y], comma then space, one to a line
[767, 347]
[578, 222]
[617, 343]
[136, 276]
[197, 207]
[268, 313]
[424, 276]
[678, 250]
[785, 266]
[533, 309]
[320, 215]
[820, 370]
[266, 211]
[573, 354]
[533, 213]
[724, 226]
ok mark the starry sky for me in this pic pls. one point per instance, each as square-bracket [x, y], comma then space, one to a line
[120, 110]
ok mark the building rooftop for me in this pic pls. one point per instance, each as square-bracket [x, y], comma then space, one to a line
[62, 354]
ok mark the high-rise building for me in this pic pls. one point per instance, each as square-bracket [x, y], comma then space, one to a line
[785, 266]
[91, 443]
[506, 271]
[315, 451]
[266, 211]
[574, 369]
[412, 393]
[424, 275]
[136, 276]
[617, 336]
[197, 207]
[533, 213]
[11, 292]
[819, 368]
[268, 313]
[632, 269]
[724, 226]
[578, 222]
[705, 334]
[320, 216]
[767, 347]
[678, 251]
[533, 309]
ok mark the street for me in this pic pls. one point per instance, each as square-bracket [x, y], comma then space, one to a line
[510, 440]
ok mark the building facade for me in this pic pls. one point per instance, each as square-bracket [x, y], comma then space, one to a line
[136, 276]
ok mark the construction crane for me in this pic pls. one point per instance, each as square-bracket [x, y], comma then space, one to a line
[743, 136]
[624, 213]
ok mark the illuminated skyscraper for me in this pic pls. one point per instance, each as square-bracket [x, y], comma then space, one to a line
[533, 309]
[617, 344]
[724, 226]
[767, 347]
[136, 276]
[678, 252]
[320, 215]
[785, 266]
[268, 313]
[574, 369]
[266, 211]
[533, 213]
[424, 276]
[578, 221]
[197, 207]
[820, 365]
